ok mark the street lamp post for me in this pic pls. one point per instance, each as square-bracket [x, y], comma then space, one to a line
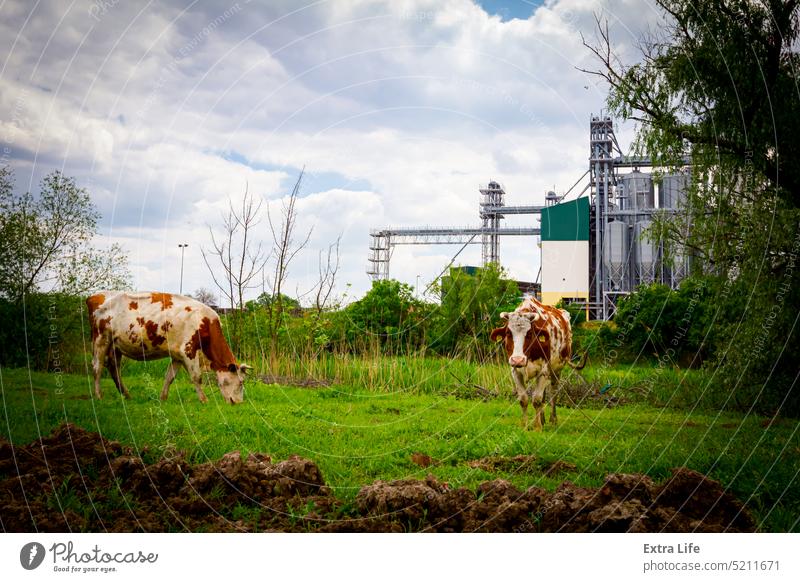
[183, 249]
[416, 289]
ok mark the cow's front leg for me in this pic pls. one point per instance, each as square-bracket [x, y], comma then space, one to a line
[522, 394]
[538, 401]
[172, 371]
[196, 374]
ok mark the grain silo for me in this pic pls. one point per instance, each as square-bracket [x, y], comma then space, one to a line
[616, 255]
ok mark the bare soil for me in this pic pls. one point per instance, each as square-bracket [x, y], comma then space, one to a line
[75, 480]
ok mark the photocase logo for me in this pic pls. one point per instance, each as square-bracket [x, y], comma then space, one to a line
[31, 555]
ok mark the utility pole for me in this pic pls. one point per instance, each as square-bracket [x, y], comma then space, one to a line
[183, 250]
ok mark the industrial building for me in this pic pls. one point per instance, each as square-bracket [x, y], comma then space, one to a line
[594, 247]
[565, 252]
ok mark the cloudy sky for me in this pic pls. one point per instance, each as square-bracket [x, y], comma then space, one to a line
[398, 110]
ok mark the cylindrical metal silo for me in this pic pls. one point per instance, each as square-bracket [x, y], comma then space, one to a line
[637, 191]
[616, 255]
[645, 255]
[680, 265]
[672, 190]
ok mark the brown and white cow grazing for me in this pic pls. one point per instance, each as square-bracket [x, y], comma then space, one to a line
[538, 342]
[151, 326]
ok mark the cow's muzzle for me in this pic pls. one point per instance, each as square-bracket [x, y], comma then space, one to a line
[518, 361]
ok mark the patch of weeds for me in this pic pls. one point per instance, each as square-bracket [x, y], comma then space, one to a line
[64, 498]
[299, 515]
[217, 492]
[245, 512]
[116, 498]
[250, 515]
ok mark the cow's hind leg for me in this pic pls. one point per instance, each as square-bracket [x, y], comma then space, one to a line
[554, 387]
[522, 395]
[114, 359]
[99, 352]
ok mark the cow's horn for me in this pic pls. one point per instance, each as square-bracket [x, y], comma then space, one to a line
[245, 367]
[504, 315]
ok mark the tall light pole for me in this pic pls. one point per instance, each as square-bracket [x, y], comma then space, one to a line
[183, 250]
[416, 289]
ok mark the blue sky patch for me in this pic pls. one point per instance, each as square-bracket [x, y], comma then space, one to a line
[510, 9]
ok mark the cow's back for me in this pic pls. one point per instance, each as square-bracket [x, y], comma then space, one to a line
[552, 322]
[147, 325]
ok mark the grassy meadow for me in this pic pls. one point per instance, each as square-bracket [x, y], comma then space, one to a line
[379, 411]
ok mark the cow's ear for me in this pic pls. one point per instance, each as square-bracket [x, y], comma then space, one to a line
[498, 333]
[232, 367]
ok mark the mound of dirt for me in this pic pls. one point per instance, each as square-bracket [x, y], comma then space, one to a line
[686, 502]
[75, 480]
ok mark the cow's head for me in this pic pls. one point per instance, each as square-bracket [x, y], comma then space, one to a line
[516, 333]
[231, 382]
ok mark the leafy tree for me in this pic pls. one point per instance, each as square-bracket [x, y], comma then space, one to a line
[46, 241]
[471, 307]
[720, 84]
[267, 300]
[388, 314]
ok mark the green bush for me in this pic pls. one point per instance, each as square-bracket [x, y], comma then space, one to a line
[659, 322]
[577, 312]
[44, 331]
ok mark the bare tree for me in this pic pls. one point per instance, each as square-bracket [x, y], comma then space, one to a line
[235, 260]
[328, 269]
[204, 295]
[285, 249]
[242, 259]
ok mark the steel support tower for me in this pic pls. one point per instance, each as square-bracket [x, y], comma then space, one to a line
[492, 197]
[601, 178]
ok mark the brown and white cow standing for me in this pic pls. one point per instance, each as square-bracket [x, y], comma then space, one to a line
[151, 326]
[538, 342]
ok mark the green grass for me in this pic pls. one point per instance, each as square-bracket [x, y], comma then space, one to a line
[367, 427]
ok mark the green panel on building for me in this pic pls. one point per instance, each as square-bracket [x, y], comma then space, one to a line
[566, 221]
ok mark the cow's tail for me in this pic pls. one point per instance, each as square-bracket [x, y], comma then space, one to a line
[582, 363]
